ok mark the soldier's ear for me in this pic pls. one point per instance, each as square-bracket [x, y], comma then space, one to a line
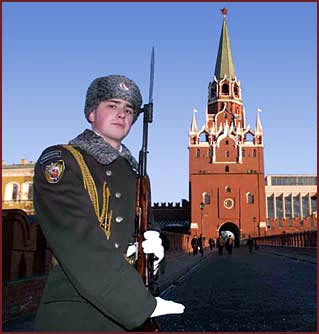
[91, 117]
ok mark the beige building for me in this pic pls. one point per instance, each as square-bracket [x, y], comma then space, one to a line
[291, 196]
[17, 186]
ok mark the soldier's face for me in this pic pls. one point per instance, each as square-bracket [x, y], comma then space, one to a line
[112, 119]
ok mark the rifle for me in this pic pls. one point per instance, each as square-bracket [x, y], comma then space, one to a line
[144, 262]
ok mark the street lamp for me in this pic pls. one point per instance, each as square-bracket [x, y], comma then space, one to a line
[201, 206]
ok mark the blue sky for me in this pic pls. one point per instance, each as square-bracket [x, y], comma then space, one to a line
[52, 51]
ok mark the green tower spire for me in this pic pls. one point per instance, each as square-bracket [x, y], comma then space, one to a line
[224, 61]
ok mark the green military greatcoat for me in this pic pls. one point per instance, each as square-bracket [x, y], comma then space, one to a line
[85, 208]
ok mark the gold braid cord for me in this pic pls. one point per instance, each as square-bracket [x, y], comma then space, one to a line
[105, 217]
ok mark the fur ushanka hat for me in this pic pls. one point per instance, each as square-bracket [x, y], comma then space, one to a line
[113, 86]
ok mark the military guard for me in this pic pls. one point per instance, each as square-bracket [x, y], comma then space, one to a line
[84, 196]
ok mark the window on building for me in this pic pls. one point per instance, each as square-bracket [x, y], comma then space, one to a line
[225, 115]
[294, 180]
[250, 198]
[288, 206]
[313, 204]
[206, 198]
[243, 153]
[227, 142]
[225, 89]
[198, 153]
[254, 153]
[296, 201]
[270, 206]
[227, 154]
[30, 192]
[213, 90]
[24, 191]
[227, 169]
[15, 191]
[228, 189]
[305, 206]
[279, 206]
[236, 90]
[203, 138]
[249, 137]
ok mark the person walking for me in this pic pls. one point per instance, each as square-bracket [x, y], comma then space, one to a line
[250, 243]
[201, 244]
[220, 245]
[229, 244]
[211, 243]
[194, 243]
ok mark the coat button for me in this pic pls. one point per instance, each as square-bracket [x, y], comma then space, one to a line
[118, 195]
[119, 219]
[108, 172]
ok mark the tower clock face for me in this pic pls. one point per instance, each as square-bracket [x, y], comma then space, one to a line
[229, 203]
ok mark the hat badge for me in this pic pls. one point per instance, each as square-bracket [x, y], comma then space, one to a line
[123, 86]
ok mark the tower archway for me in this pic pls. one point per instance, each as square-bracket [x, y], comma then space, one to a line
[233, 228]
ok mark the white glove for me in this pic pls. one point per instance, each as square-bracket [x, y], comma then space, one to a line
[131, 249]
[166, 307]
[153, 245]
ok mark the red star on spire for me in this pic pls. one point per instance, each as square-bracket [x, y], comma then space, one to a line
[224, 11]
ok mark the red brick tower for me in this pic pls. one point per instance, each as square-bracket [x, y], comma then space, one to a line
[226, 162]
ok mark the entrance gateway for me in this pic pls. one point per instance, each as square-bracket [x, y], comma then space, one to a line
[233, 228]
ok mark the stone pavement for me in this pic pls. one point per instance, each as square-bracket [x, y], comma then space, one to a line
[180, 263]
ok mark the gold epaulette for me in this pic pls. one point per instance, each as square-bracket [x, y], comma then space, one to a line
[105, 217]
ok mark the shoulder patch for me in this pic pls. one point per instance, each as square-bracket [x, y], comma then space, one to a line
[50, 155]
[54, 171]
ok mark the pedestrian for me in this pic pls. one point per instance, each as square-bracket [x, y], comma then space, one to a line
[84, 197]
[201, 244]
[211, 242]
[220, 245]
[250, 243]
[229, 244]
[194, 243]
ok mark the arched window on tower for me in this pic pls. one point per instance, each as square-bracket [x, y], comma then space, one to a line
[198, 153]
[249, 198]
[213, 90]
[227, 189]
[227, 169]
[203, 137]
[236, 90]
[249, 137]
[225, 89]
[254, 153]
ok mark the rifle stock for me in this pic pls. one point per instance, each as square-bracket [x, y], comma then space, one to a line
[144, 262]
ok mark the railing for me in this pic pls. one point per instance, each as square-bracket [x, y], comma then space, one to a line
[298, 239]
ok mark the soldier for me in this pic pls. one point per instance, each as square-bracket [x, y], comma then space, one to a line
[220, 243]
[84, 196]
[194, 244]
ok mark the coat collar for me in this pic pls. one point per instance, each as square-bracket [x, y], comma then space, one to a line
[103, 152]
